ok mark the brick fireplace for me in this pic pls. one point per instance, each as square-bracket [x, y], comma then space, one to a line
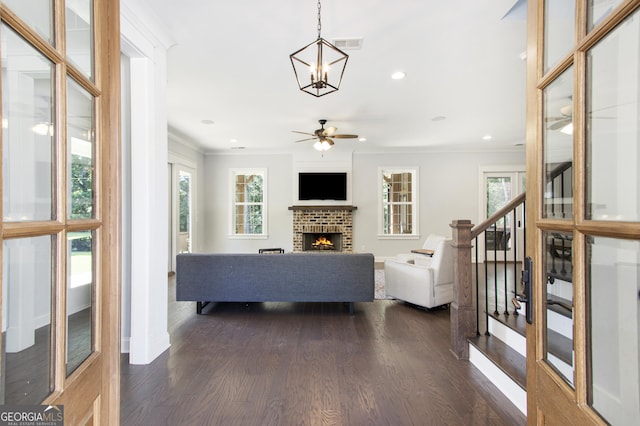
[311, 222]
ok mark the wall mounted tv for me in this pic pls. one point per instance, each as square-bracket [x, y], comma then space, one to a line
[322, 186]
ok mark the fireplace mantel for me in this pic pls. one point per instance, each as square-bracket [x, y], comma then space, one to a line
[336, 207]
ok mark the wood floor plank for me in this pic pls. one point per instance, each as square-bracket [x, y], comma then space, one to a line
[310, 364]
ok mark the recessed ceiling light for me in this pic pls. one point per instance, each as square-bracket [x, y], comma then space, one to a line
[362, 139]
[207, 121]
[398, 75]
[487, 137]
[234, 141]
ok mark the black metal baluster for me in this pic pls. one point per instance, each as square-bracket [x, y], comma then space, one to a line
[553, 197]
[563, 271]
[515, 257]
[562, 193]
[477, 293]
[505, 244]
[495, 269]
[486, 287]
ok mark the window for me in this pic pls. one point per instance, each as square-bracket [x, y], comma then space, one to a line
[249, 202]
[398, 202]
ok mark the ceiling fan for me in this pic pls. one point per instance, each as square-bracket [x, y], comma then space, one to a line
[324, 137]
[564, 122]
[565, 117]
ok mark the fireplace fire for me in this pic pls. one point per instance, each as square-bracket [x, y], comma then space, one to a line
[322, 243]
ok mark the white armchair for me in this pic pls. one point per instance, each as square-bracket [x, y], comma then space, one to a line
[421, 279]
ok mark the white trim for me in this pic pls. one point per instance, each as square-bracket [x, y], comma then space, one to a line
[398, 237]
[233, 172]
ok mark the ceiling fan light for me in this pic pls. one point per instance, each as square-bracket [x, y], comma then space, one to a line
[318, 145]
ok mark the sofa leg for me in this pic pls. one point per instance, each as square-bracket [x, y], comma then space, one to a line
[350, 308]
[199, 306]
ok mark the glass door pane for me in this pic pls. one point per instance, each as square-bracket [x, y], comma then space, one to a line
[559, 27]
[558, 304]
[80, 296]
[38, 14]
[27, 131]
[558, 147]
[613, 125]
[27, 320]
[598, 10]
[613, 308]
[79, 31]
[80, 133]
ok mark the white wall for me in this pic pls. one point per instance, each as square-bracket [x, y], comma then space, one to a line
[217, 197]
[448, 190]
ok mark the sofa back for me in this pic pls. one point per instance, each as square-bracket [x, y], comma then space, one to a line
[289, 277]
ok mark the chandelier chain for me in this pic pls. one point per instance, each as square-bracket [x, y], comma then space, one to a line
[319, 23]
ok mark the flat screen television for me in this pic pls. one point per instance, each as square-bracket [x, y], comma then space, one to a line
[322, 186]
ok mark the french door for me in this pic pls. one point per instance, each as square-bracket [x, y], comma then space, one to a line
[506, 238]
[583, 214]
[60, 207]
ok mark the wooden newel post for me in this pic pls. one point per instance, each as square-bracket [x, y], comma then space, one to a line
[463, 309]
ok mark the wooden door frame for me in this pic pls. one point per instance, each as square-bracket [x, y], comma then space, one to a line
[547, 392]
[91, 394]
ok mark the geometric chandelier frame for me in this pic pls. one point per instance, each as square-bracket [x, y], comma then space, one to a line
[319, 66]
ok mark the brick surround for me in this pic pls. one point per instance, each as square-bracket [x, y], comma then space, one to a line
[323, 219]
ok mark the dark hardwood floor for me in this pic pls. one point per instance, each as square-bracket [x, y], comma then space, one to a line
[309, 363]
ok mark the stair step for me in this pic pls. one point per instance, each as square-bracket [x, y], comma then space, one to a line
[517, 323]
[507, 359]
[560, 346]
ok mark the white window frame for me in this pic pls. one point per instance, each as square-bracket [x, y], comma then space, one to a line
[232, 203]
[415, 179]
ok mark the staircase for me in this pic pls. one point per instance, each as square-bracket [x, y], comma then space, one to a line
[489, 286]
[499, 346]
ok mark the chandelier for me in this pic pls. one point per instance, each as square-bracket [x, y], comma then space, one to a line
[319, 65]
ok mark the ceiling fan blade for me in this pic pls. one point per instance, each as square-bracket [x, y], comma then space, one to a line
[303, 133]
[344, 136]
[302, 140]
[559, 124]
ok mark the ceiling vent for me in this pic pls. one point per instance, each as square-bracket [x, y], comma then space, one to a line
[348, 43]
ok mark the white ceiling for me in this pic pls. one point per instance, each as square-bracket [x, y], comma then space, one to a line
[230, 65]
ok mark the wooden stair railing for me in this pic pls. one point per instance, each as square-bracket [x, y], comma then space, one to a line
[465, 313]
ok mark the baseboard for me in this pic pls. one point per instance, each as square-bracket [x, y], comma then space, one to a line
[149, 351]
[125, 345]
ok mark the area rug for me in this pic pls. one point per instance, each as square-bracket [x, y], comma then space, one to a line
[379, 288]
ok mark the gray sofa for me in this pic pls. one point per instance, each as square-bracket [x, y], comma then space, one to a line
[289, 277]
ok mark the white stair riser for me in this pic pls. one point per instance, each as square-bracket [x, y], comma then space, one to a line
[508, 336]
[508, 387]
